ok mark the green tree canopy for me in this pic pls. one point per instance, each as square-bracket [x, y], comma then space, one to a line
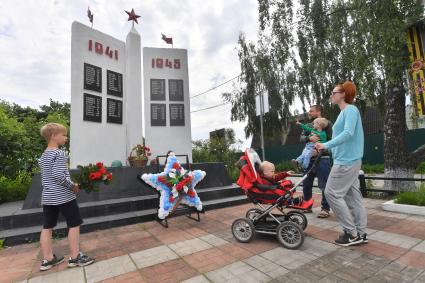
[305, 47]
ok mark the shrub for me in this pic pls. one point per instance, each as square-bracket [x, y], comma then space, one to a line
[14, 189]
[421, 168]
[373, 168]
[413, 198]
[233, 172]
[286, 166]
[379, 168]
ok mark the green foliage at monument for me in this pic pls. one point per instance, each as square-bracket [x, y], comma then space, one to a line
[218, 150]
[21, 143]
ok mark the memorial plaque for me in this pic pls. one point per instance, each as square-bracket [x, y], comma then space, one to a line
[114, 111]
[92, 77]
[158, 115]
[114, 83]
[92, 108]
[176, 114]
[158, 89]
[175, 90]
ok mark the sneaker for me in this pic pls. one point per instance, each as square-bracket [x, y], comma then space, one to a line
[364, 238]
[47, 264]
[80, 260]
[347, 240]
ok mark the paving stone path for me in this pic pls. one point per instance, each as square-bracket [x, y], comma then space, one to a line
[189, 251]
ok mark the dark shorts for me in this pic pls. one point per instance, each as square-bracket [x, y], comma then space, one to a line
[69, 210]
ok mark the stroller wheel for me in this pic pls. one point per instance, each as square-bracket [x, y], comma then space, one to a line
[298, 218]
[252, 213]
[290, 235]
[243, 230]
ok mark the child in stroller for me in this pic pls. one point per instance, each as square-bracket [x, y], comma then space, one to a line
[288, 226]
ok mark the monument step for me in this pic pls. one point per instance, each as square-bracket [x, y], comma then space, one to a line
[32, 233]
[28, 217]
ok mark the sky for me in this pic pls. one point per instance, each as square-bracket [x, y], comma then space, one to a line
[35, 47]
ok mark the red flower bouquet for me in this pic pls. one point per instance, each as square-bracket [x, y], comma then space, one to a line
[90, 177]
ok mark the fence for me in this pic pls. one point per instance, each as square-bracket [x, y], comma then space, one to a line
[365, 190]
[363, 187]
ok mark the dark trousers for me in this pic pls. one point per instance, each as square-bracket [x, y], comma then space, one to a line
[322, 171]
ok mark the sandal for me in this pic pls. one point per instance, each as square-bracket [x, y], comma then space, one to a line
[323, 214]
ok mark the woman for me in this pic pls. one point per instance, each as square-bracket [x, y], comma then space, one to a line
[343, 188]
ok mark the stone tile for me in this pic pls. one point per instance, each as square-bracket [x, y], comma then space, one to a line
[410, 273]
[109, 268]
[289, 259]
[261, 243]
[317, 247]
[351, 274]
[420, 278]
[408, 227]
[237, 272]
[407, 274]
[266, 266]
[69, 275]
[326, 235]
[189, 246]
[153, 256]
[394, 239]
[322, 223]
[213, 240]
[413, 259]
[175, 270]
[237, 250]
[300, 275]
[380, 222]
[169, 236]
[16, 263]
[381, 249]
[417, 218]
[196, 232]
[392, 214]
[210, 259]
[420, 247]
[332, 279]
[225, 235]
[197, 279]
[131, 277]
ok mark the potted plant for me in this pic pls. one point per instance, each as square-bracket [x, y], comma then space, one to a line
[139, 155]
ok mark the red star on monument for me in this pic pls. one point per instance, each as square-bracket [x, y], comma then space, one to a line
[132, 16]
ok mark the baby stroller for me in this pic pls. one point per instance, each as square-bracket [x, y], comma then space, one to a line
[287, 226]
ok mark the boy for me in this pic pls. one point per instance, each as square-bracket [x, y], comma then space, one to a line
[59, 195]
[319, 124]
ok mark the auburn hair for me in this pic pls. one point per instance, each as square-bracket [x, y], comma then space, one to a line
[349, 89]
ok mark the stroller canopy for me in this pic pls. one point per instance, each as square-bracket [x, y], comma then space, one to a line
[248, 164]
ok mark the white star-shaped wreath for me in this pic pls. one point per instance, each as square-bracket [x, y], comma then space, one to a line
[176, 185]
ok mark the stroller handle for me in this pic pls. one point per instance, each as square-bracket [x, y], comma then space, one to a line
[313, 166]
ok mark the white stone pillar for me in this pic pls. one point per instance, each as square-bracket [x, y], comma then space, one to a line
[133, 77]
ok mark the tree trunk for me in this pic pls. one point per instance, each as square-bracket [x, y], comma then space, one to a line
[396, 154]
